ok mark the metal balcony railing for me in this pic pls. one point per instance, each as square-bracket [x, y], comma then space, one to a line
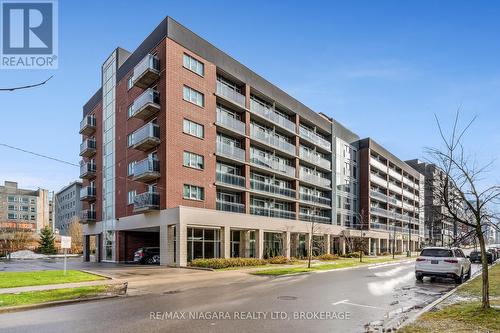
[230, 123]
[146, 137]
[383, 197]
[146, 170]
[87, 193]
[272, 212]
[88, 216]
[273, 164]
[146, 71]
[314, 179]
[230, 151]
[314, 218]
[272, 140]
[230, 94]
[315, 199]
[230, 179]
[315, 138]
[315, 159]
[146, 201]
[87, 125]
[88, 148]
[230, 206]
[269, 113]
[146, 105]
[87, 170]
[271, 188]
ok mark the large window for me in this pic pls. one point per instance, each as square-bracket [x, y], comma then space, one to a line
[193, 96]
[193, 192]
[203, 243]
[193, 160]
[193, 65]
[131, 196]
[192, 128]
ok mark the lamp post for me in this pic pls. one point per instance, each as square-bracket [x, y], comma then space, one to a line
[394, 240]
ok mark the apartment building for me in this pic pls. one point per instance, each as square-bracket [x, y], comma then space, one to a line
[68, 206]
[391, 198]
[24, 209]
[186, 149]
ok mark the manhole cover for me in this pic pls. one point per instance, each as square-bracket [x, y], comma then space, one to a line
[170, 292]
[287, 298]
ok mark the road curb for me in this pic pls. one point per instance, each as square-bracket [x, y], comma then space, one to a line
[97, 273]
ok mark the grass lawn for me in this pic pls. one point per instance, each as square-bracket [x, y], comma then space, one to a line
[339, 263]
[465, 316]
[37, 278]
[34, 297]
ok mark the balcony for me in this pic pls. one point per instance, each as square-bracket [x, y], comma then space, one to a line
[315, 159]
[314, 218]
[377, 164]
[147, 201]
[306, 197]
[87, 125]
[395, 188]
[146, 71]
[146, 105]
[272, 140]
[146, 137]
[230, 123]
[393, 173]
[88, 148]
[315, 179]
[274, 165]
[87, 216]
[388, 214]
[314, 138]
[87, 170]
[87, 193]
[272, 212]
[383, 197]
[408, 194]
[230, 151]
[230, 94]
[268, 113]
[230, 179]
[146, 170]
[232, 207]
[378, 180]
[271, 188]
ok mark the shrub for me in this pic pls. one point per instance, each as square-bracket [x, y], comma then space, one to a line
[385, 253]
[217, 263]
[351, 255]
[327, 257]
[278, 260]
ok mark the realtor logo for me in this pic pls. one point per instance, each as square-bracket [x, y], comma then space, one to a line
[28, 34]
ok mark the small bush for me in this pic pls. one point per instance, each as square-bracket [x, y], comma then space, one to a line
[327, 257]
[217, 263]
[278, 260]
[385, 254]
[351, 255]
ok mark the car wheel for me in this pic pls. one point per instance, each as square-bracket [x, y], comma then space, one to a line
[156, 259]
[469, 273]
[419, 277]
[460, 279]
[150, 261]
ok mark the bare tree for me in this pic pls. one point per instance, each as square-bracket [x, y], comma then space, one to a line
[348, 240]
[462, 191]
[75, 231]
[361, 242]
[14, 240]
[315, 228]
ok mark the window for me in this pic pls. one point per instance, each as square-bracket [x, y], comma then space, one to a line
[130, 139]
[11, 198]
[193, 128]
[193, 192]
[12, 207]
[12, 216]
[194, 65]
[193, 160]
[130, 82]
[130, 111]
[193, 96]
[131, 168]
[131, 196]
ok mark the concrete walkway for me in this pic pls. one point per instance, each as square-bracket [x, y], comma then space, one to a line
[58, 286]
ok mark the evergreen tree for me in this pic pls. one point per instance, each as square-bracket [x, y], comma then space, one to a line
[47, 241]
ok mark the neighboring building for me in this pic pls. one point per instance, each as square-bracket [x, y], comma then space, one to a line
[22, 209]
[391, 196]
[186, 149]
[67, 206]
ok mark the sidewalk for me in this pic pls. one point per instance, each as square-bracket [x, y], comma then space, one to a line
[59, 286]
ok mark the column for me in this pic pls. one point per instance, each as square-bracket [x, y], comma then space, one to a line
[328, 244]
[86, 248]
[342, 245]
[259, 243]
[181, 245]
[307, 242]
[244, 243]
[286, 245]
[163, 245]
[170, 245]
[379, 250]
[369, 245]
[225, 242]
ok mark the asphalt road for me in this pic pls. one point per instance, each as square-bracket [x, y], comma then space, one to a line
[340, 301]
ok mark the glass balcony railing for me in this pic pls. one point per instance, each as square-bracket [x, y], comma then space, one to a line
[315, 159]
[230, 206]
[272, 212]
[315, 199]
[87, 193]
[87, 216]
[230, 179]
[146, 201]
[230, 123]
[146, 170]
[389, 214]
[314, 218]
[87, 170]
[146, 71]
[87, 125]
[271, 188]
[269, 113]
[314, 179]
[88, 148]
[272, 140]
[146, 105]
[315, 138]
[146, 137]
[392, 228]
[383, 197]
[227, 150]
[273, 164]
[230, 94]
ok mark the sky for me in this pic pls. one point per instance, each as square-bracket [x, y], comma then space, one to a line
[384, 69]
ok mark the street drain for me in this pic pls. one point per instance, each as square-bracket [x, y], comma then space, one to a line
[287, 298]
[171, 292]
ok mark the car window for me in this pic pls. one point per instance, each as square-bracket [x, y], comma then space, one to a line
[436, 253]
[459, 253]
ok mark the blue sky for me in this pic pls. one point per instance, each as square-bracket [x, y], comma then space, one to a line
[381, 68]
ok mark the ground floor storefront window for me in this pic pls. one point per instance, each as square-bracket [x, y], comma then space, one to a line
[273, 244]
[203, 243]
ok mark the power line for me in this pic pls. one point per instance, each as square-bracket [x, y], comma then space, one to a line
[39, 155]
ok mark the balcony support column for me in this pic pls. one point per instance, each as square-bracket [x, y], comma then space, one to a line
[226, 242]
[378, 246]
[181, 244]
[259, 243]
[342, 245]
[286, 245]
[170, 259]
[327, 243]
[163, 245]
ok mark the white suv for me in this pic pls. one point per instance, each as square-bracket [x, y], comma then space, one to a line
[442, 262]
